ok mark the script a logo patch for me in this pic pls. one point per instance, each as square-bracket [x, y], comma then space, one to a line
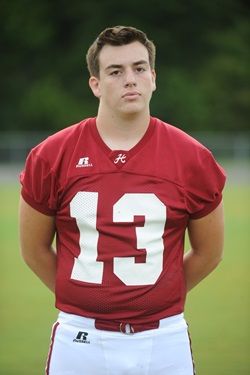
[82, 337]
[119, 158]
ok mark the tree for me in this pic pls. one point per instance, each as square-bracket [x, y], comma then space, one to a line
[201, 62]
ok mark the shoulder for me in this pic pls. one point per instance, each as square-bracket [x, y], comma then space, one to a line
[186, 158]
[176, 137]
[179, 147]
[61, 141]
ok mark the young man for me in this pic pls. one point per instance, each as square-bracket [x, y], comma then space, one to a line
[119, 192]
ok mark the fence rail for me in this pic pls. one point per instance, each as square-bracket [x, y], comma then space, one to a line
[14, 146]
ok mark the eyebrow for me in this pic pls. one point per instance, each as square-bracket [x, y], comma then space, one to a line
[118, 66]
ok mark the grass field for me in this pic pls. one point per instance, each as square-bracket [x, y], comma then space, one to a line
[217, 310]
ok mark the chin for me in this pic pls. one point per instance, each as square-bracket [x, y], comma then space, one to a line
[130, 114]
[133, 109]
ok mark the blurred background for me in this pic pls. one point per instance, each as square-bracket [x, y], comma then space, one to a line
[202, 67]
[203, 77]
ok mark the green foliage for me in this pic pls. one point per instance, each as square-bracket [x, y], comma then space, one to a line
[217, 310]
[202, 60]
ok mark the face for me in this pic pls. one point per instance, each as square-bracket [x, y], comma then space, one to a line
[126, 81]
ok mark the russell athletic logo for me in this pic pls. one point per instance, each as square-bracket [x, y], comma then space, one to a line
[84, 163]
[82, 337]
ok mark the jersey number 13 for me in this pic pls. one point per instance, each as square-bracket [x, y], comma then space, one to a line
[87, 268]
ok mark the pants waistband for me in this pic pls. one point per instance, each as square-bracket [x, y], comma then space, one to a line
[119, 326]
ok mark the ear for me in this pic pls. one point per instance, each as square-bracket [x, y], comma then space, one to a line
[153, 79]
[95, 86]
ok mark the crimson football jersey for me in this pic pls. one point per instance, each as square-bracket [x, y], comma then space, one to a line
[121, 217]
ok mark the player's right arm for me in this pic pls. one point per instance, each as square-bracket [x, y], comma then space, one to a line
[36, 236]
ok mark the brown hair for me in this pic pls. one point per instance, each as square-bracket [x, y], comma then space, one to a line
[117, 36]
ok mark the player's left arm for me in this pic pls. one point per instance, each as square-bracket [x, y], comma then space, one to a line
[206, 237]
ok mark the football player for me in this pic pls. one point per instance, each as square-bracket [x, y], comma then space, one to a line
[119, 191]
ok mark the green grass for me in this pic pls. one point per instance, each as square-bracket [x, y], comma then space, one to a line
[217, 310]
[26, 311]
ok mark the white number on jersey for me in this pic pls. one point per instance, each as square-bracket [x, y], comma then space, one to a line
[83, 208]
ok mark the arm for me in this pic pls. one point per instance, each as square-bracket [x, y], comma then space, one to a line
[206, 237]
[36, 236]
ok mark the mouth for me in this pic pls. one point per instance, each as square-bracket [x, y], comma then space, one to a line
[131, 95]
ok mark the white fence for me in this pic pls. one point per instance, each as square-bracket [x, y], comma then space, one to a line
[232, 150]
[14, 146]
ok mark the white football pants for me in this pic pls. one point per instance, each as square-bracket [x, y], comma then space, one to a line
[78, 348]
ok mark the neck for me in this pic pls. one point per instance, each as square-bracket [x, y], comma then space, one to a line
[122, 132]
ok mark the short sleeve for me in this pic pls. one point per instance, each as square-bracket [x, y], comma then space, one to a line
[39, 184]
[205, 184]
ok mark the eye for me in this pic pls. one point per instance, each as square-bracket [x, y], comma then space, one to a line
[115, 72]
[140, 69]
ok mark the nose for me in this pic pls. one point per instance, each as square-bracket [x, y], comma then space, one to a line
[130, 79]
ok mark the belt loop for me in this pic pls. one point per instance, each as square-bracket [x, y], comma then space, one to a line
[127, 328]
